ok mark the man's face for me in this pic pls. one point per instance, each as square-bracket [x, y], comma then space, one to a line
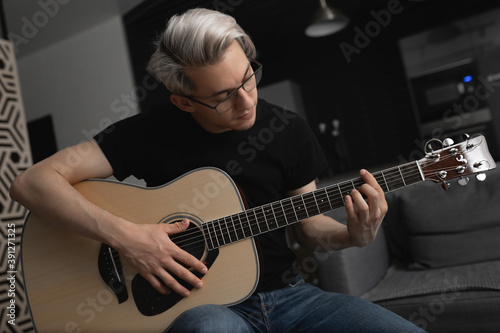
[213, 83]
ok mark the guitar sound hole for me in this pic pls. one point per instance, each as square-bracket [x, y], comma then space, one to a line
[191, 240]
[147, 299]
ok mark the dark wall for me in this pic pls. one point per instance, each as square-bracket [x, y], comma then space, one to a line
[355, 76]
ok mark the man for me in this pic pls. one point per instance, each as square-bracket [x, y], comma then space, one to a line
[207, 62]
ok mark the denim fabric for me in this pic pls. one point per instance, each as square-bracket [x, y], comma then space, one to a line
[299, 307]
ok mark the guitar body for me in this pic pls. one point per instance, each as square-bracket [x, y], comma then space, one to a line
[66, 292]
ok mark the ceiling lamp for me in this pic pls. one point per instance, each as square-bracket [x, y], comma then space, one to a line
[327, 21]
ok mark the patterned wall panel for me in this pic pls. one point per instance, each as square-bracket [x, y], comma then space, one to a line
[15, 156]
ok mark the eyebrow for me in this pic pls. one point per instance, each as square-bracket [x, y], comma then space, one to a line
[231, 89]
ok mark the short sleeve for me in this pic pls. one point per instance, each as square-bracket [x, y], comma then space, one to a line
[120, 146]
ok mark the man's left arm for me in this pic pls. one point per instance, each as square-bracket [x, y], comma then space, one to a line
[364, 217]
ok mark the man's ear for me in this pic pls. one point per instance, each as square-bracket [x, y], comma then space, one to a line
[182, 103]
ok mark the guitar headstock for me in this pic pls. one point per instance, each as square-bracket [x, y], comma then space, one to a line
[470, 156]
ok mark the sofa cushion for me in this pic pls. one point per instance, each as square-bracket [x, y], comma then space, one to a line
[401, 283]
[450, 249]
[455, 312]
[435, 228]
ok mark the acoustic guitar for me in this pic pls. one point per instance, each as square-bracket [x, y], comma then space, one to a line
[75, 284]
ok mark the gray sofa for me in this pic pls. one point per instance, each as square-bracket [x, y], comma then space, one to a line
[436, 260]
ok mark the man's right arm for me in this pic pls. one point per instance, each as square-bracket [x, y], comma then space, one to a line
[46, 190]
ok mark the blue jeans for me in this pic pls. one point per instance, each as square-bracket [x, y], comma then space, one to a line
[299, 307]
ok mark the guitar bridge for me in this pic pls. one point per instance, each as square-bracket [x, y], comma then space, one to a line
[110, 269]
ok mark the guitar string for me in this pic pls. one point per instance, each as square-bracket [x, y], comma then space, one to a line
[391, 176]
[289, 210]
[240, 230]
[388, 179]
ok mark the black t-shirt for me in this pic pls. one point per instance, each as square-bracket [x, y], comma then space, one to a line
[278, 154]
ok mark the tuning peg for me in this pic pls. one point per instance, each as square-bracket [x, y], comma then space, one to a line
[445, 186]
[448, 142]
[465, 137]
[481, 176]
[463, 181]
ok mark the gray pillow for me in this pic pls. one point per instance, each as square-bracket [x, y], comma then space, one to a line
[435, 228]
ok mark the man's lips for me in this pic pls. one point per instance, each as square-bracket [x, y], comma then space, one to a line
[247, 115]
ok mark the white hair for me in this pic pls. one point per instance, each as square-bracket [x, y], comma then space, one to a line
[195, 39]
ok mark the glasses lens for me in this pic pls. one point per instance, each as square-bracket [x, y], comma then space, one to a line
[248, 85]
[225, 105]
[254, 80]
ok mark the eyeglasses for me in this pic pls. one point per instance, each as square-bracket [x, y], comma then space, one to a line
[248, 85]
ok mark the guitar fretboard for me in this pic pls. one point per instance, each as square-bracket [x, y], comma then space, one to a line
[285, 212]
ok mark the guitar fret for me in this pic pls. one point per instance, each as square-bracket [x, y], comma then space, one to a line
[316, 202]
[305, 206]
[265, 219]
[249, 223]
[214, 233]
[300, 208]
[413, 173]
[285, 220]
[238, 228]
[275, 216]
[223, 227]
[294, 211]
[231, 230]
[347, 187]
[264, 224]
[220, 237]
[340, 192]
[328, 198]
[310, 204]
[289, 211]
[385, 181]
[241, 229]
[257, 221]
[245, 224]
[402, 178]
[323, 202]
[228, 232]
[208, 235]
[397, 182]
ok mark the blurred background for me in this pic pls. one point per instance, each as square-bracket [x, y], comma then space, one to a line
[390, 74]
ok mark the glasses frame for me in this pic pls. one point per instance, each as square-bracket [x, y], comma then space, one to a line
[258, 69]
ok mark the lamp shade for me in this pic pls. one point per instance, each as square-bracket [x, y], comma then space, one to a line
[326, 21]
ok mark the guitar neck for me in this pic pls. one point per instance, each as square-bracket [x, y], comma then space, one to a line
[282, 213]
